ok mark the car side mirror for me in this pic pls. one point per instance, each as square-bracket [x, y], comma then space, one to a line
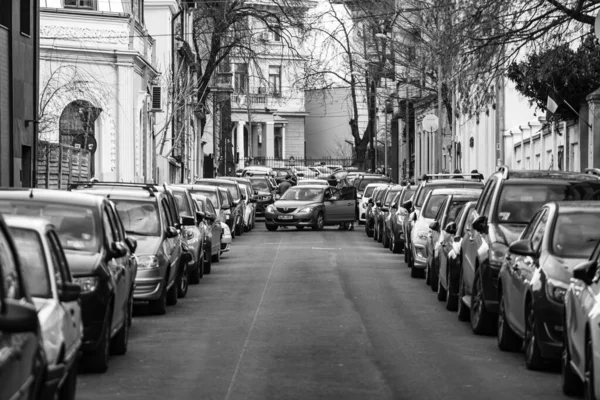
[407, 204]
[225, 207]
[171, 232]
[236, 202]
[132, 243]
[118, 250]
[69, 291]
[585, 271]
[370, 201]
[457, 239]
[243, 197]
[480, 224]
[521, 248]
[434, 226]
[378, 204]
[200, 216]
[451, 228]
[256, 192]
[18, 317]
[187, 221]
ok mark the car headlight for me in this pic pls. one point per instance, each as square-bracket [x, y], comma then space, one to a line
[271, 209]
[87, 283]
[497, 254]
[148, 262]
[422, 234]
[306, 210]
[556, 290]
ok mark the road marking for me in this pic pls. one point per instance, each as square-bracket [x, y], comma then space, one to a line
[327, 248]
[262, 297]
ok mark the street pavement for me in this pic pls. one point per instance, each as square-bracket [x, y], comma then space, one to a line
[312, 315]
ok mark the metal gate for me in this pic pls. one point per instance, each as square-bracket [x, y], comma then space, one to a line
[58, 165]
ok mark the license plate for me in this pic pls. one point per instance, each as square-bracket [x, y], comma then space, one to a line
[285, 217]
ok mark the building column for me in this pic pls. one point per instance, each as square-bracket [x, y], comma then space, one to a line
[594, 132]
[283, 152]
[125, 126]
[270, 139]
[240, 144]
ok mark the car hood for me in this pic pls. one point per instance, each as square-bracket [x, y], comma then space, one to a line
[508, 233]
[82, 263]
[295, 204]
[146, 245]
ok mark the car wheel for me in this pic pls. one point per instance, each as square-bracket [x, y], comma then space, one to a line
[119, 343]
[427, 275]
[482, 321]
[69, 387]
[182, 282]
[463, 313]
[406, 253]
[571, 384]
[300, 228]
[217, 257]
[451, 296]
[207, 259]
[97, 360]
[198, 273]
[370, 232]
[533, 355]
[384, 240]
[433, 280]
[159, 306]
[246, 227]
[396, 249]
[507, 338]
[442, 293]
[589, 388]
[271, 228]
[172, 293]
[239, 229]
[379, 235]
[320, 222]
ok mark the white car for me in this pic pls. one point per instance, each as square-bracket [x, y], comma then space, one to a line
[56, 298]
[226, 239]
[363, 201]
[250, 209]
[322, 182]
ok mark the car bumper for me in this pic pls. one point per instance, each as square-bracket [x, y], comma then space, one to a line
[94, 307]
[297, 219]
[550, 330]
[149, 284]
[419, 254]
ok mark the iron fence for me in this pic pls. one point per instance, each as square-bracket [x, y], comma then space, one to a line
[275, 162]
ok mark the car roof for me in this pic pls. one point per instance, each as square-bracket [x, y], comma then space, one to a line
[545, 175]
[566, 206]
[52, 196]
[216, 180]
[310, 187]
[208, 188]
[117, 192]
[27, 222]
[455, 191]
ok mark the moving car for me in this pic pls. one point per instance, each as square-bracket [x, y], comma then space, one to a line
[508, 201]
[314, 206]
[265, 192]
[535, 277]
[100, 258]
[48, 280]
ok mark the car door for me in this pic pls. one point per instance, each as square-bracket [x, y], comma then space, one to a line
[332, 212]
[17, 350]
[72, 323]
[348, 203]
[116, 266]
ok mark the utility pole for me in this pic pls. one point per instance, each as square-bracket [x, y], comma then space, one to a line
[437, 141]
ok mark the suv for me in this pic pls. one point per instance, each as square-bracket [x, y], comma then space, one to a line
[147, 213]
[428, 183]
[100, 258]
[237, 208]
[361, 182]
[363, 201]
[507, 203]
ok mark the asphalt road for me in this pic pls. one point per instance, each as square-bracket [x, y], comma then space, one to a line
[312, 315]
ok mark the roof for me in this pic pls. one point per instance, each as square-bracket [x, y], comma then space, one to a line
[237, 179]
[208, 188]
[566, 206]
[310, 187]
[451, 182]
[207, 181]
[545, 175]
[456, 191]
[112, 192]
[51, 196]
[27, 222]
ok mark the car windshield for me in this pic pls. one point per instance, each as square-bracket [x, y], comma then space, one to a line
[303, 194]
[211, 195]
[230, 188]
[408, 193]
[139, 217]
[456, 207]
[364, 182]
[260, 184]
[576, 233]
[428, 188]
[34, 268]
[390, 196]
[518, 203]
[369, 191]
[182, 203]
[76, 225]
[433, 205]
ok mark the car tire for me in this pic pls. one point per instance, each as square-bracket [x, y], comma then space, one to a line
[406, 251]
[69, 387]
[396, 249]
[427, 272]
[442, 293]
[272, 228]
[379, 235]
[300, 228]
[207, 259]
[433, 280]
[159, 306]
[507, 338]
[239, 228]
[119, 343]
[463, 313]
[384, 240]
[482, 321]
[182, 281]
[533, 354]
[571, 384]
[369, 232]
[216, 258]
[319, 223]
[589, 383]
[197, 274]
[451, 296]
[97, 360]
[172, 293]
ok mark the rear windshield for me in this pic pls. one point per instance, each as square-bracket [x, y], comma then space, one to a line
[211, 195]
[408, 193]
[362, 184]
[182, 204]
[433, 206]
[518, 203]
[233, 189]
[576, 234]
[428, 188]
[260, 184]
[139, 217]
[390, 196]
[369, 191]
[33, 263]
[455, 208]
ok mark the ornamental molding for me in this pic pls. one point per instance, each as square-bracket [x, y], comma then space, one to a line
[89, 35]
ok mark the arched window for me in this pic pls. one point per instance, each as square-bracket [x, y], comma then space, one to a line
[78, 118]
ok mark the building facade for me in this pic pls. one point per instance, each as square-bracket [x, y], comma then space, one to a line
[96, 77]
[19, 69]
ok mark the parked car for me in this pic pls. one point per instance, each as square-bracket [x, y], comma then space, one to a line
[395, 225]
[321, 182]
[361, 182]
[148, 215]
[428, 183]
[446, 216]
[581, 355]
[212, 225]
[314, 206]
[363, 200]
[370, 213]
[46, 275]
[214, 194]
[535, 277]
[257, 170]
[100, 258]
[305, 173]
[237, 207]
[265, 191]
[23, 361]
[382, 216]
[249, 199]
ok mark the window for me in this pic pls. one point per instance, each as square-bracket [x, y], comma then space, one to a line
[277, 34]
[138, 10]
[33, 262]
[538, 233]
[5, 13]
[167, 211]
[8, 267]
[59, 260]
[25, 17]
[89, 4]
[240, 78]
[108, 228]
[275, 80]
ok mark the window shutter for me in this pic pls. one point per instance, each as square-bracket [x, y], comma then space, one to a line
[156, 98]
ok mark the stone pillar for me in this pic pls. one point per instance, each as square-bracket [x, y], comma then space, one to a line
[283, 152]
[241, 150]
[125, 126]
[594, 132]
[269, 140]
